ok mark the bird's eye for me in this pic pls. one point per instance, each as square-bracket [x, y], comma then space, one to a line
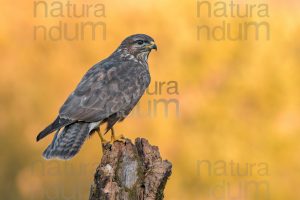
[140, 42]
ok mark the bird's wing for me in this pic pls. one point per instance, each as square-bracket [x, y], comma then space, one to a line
[107, 88]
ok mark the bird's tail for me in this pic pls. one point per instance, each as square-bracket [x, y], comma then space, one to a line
[67, 143]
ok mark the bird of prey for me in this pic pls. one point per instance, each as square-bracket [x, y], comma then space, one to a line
[106, 94]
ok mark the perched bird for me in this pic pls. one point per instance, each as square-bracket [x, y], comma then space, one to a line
[106, 94]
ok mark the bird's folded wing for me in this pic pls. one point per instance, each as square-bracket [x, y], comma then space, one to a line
[107, 88]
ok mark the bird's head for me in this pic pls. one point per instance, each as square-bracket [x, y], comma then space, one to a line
[139, 45]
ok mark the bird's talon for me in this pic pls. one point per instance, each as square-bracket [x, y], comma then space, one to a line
[120, 138]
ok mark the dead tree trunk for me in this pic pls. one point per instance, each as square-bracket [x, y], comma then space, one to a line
[130, 172]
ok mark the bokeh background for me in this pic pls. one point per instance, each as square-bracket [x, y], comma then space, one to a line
[239, 101]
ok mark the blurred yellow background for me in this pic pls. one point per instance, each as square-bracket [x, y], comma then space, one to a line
[239, 101]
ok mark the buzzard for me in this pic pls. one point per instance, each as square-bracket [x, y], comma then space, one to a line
[106, 94]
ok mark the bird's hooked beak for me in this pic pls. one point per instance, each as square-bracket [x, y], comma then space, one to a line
[152, 45]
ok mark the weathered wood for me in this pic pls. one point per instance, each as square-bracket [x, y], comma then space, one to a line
[130, 172]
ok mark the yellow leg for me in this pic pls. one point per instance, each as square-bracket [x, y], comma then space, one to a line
[103, 141]
[120, 138]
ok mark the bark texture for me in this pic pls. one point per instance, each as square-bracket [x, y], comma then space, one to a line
[130, 172]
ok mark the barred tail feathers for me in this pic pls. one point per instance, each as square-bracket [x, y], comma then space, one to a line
[68, 142]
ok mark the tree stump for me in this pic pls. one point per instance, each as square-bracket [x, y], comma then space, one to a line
[130, 172]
